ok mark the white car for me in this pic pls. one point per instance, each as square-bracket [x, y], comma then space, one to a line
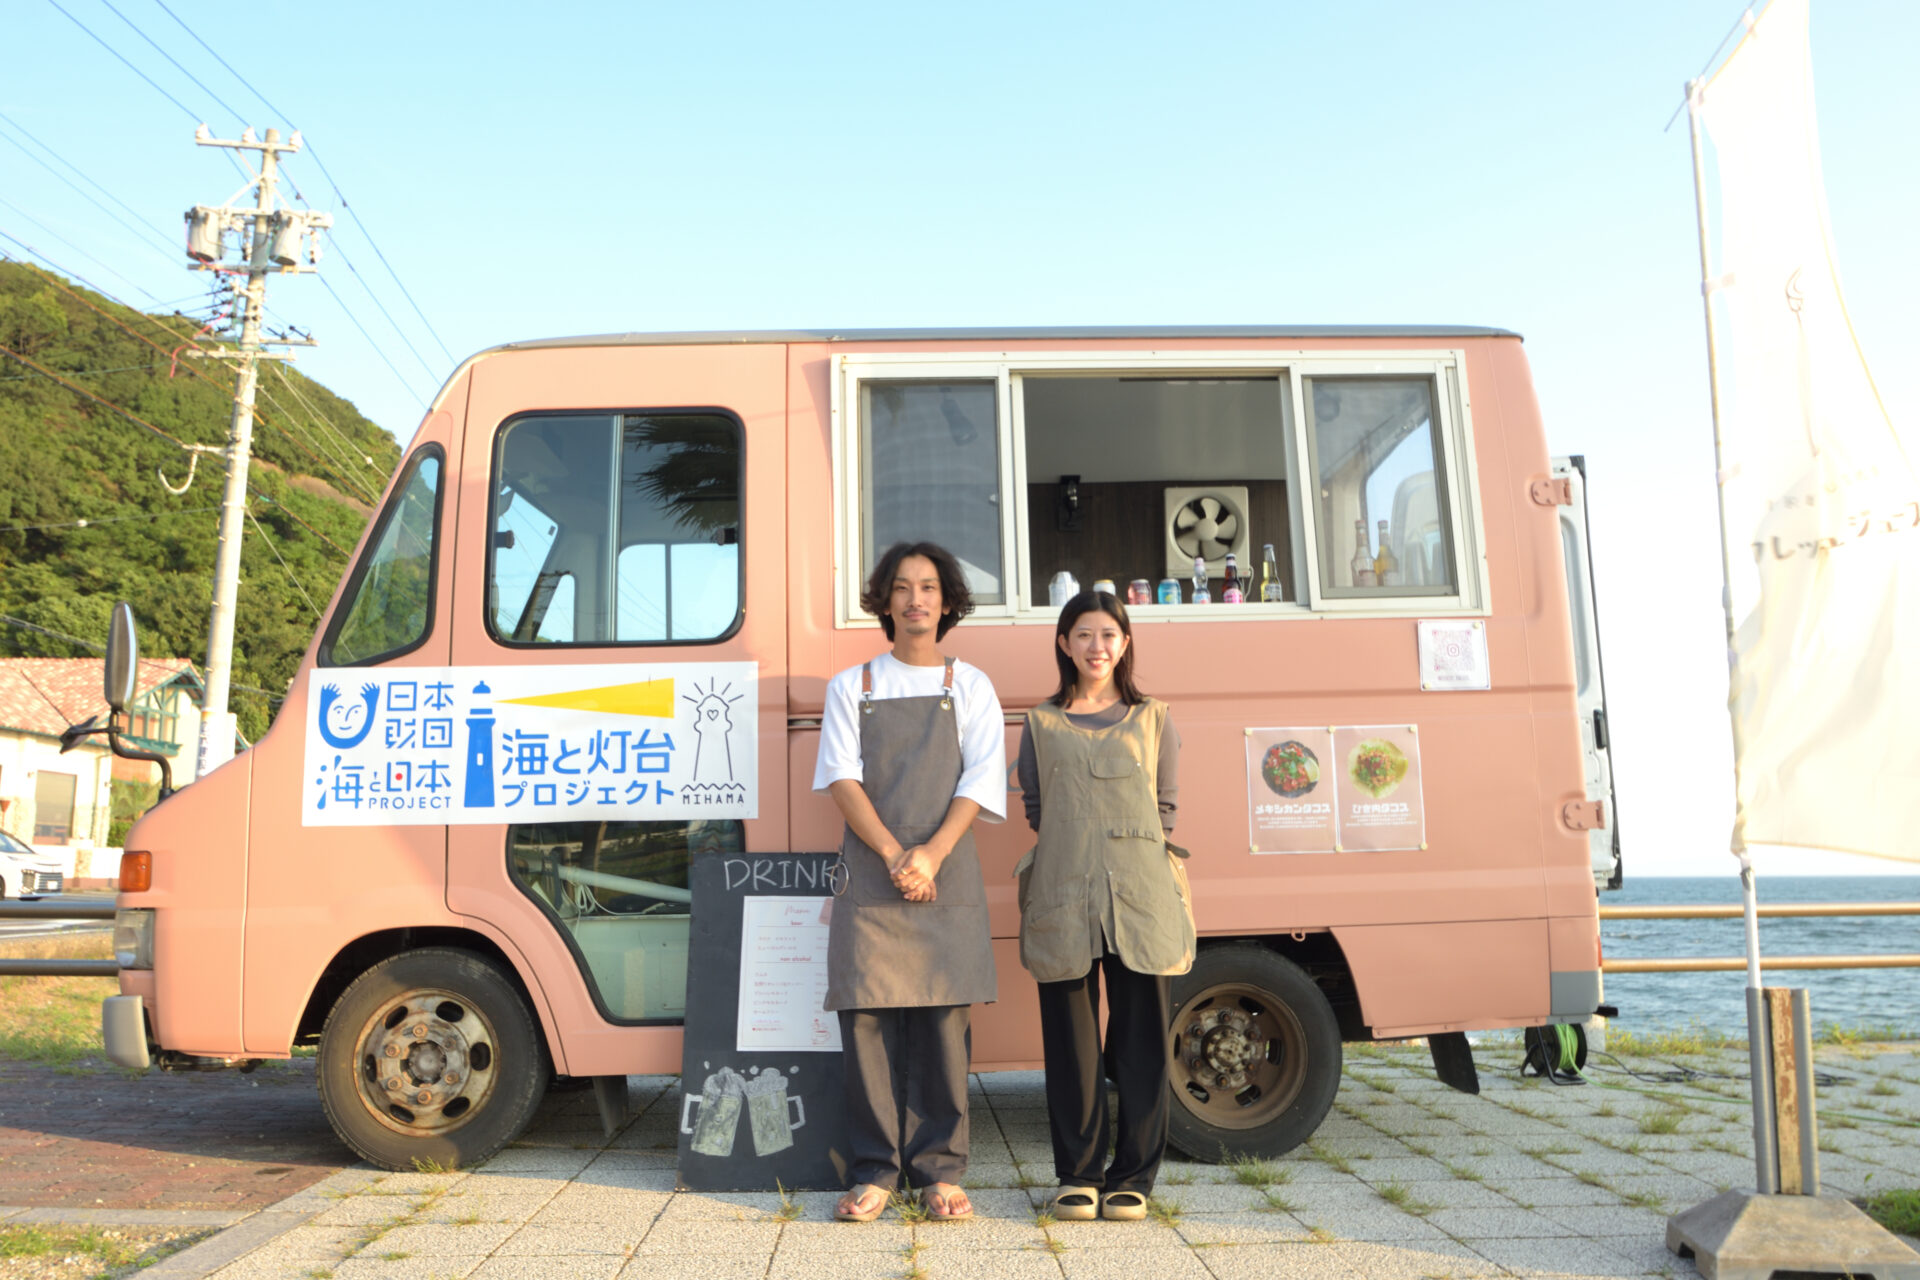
[24, 871]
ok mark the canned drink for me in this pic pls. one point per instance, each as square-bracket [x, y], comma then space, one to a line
[1139, 591]
[1169, 591]
[1106, 585]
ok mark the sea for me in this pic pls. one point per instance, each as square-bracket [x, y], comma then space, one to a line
[1853, 999]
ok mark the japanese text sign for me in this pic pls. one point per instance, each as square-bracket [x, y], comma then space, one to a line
[452, 745]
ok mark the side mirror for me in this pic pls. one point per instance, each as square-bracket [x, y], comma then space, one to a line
[123, 657]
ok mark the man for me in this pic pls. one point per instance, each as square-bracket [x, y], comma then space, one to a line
[912, 749]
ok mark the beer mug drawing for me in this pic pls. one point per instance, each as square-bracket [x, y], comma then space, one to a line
[719, 1101]
[767, 1100]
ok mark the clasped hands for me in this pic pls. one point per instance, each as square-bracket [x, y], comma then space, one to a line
[913, 871]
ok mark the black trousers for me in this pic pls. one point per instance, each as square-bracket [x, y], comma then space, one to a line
[906, 1085]
[1137, 1049]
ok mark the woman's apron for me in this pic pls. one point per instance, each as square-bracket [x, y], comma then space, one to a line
[884, 952]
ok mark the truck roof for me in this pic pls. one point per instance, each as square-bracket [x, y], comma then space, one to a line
[1031, 333]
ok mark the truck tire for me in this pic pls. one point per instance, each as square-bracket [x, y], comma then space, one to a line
[1255, 1055]
[431, 1056]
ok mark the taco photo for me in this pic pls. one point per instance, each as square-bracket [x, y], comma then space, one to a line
[1291, 769]
[1376, 767]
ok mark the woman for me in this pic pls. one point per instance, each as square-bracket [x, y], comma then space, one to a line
[1102, 891]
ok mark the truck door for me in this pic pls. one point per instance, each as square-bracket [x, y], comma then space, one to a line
[1589, 680]
[622, 505]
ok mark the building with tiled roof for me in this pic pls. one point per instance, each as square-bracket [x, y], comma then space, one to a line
[66, 800]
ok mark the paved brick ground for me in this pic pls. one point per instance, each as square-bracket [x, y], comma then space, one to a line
[103, 1139]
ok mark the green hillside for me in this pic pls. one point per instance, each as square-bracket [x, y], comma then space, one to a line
[66, 459]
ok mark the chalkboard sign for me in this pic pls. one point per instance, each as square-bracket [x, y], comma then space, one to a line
[761, 1100]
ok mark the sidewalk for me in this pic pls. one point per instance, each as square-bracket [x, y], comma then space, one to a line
[1407, 1179]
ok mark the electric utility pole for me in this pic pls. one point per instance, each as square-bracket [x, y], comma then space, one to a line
[272, 240]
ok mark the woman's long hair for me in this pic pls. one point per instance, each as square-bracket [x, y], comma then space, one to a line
[1094, 602]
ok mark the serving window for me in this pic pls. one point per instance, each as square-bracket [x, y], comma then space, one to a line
[1127, 467]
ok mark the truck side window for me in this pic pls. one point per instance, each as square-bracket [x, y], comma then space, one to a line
[388, 606]
[1132, 478]
[1372, 444]
[930, 470]
[616, 528]
[618, 893]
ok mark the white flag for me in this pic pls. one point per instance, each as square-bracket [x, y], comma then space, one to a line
[1821, 505]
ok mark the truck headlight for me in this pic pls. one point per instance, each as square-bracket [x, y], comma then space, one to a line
[133, 938]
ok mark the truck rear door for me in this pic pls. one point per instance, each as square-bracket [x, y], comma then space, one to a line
[1589, 680]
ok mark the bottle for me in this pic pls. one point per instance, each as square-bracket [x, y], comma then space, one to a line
[1105, 586]
[1231, 590]
[1200, 593]
[1362, 556]
[1062, 589]
[1271, 589]
[1386, 570]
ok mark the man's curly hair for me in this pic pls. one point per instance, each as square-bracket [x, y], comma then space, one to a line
[956, 601]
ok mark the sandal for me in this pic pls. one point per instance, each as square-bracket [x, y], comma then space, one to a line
[1075, 1204]
[1123, 1206]
[859, 1205]
[945, 1202]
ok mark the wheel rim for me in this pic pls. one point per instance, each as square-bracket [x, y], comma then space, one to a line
[1239, 1056]
[425, 1062]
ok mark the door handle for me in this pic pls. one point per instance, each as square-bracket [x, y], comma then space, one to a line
[1600, 728]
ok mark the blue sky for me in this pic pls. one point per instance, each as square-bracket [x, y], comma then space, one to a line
[588, 167]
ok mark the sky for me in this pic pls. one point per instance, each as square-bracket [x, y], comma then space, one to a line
[605, 167]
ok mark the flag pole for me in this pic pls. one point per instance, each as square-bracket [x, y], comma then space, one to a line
[1765, 1153]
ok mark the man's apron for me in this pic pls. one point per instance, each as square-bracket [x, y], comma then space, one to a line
[884, 952]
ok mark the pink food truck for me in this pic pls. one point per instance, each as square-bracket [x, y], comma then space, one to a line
[587, 636]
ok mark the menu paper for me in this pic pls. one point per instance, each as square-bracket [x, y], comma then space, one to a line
[1290, 789]
[1381, 805]
[783, 975]
[1453, 654]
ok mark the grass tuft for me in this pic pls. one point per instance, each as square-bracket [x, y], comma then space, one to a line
[1250, 1171]
[1165, 1212]
[1325, 1155]
[425, 1164]
[1666, 1120]
[789, 1207]
[1896, 1210]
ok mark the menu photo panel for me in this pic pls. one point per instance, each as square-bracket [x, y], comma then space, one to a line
[1290, 790]
[1381, 805]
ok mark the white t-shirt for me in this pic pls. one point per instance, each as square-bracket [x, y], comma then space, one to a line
[976, 711]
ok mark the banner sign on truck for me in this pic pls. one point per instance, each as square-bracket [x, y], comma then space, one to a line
[450, 745]
[1338, 789]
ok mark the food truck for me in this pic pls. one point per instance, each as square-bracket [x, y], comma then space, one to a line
[586, 638]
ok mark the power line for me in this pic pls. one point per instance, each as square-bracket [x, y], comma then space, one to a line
[88, 373]
[70, 244]
[22, 130]
[192, 370]
[170, 58]
[283, 564]
[339, 195]
[141, 232]
[377, 348]
[173, 440]
[190, 113]
[89, 522]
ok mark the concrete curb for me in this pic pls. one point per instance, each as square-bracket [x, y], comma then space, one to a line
[238, 1240]
[18, 1214]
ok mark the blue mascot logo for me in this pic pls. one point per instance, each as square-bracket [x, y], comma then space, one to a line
[347, 724]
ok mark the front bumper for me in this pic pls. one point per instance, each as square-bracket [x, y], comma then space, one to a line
[123, 1026]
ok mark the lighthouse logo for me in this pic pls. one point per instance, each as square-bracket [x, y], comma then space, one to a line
[713, 777]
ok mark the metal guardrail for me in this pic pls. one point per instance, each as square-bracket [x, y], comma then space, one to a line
[1731, 911]
[29, 967]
